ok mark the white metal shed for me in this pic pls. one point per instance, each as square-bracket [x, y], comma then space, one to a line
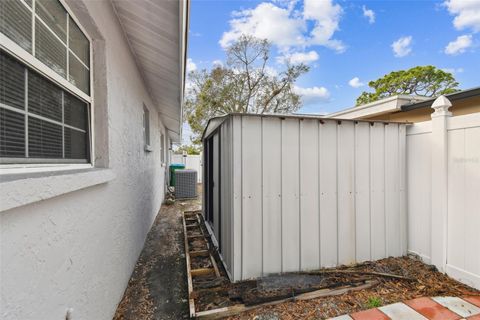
[287, 193]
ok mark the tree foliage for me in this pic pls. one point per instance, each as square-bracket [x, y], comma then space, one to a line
[246, 84]
[427, 81]
[189, 149]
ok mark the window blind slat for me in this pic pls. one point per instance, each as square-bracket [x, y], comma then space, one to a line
[75, 144]
[50, 50]
[44, 98]
[75, 112]
[12, 134]
[12, 78]
[44, 139]
[54, 15]
[16, 23]
[79, 75]
[78, 43]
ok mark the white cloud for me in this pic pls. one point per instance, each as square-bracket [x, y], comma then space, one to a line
[467, 13]
[369, 13]
[459, 45]
[191, 66]
[266, 21]
[356, 83]
[217, 63]
[313, 95]
[327, 18]
[299, 57]
[271, 71]
[286, 27]
[453, 70]
[402, 47]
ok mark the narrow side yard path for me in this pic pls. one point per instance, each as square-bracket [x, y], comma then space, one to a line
[158, 286]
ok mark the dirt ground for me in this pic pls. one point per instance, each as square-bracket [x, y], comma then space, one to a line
[158, 286]
[423, 281]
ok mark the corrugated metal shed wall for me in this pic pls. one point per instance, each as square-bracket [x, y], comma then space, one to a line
[300, 194]
[226, 192]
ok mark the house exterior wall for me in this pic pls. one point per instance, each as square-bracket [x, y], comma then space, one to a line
[74, 252]
[311, 193]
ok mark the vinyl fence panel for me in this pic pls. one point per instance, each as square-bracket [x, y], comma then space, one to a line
[451, 242]
[191, 162]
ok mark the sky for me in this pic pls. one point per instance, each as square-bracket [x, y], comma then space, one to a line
[345, 43]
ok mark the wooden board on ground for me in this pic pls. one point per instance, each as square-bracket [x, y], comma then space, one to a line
[195, 227]
[230, 311]
[204, 280]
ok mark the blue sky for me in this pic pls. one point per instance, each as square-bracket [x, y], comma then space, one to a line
[344, 40]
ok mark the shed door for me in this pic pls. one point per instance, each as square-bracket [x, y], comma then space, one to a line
[213, 184]
[216, 186]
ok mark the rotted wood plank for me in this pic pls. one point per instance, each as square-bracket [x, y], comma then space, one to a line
[201, 271]
[201, 236]
[212, 259]
[191, 301]
[199, 253]
[236, 309]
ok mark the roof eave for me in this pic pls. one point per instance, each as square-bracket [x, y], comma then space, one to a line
[460, 95]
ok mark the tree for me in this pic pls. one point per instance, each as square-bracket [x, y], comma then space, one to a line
[427, 81]
[189, 149]
[245, 85]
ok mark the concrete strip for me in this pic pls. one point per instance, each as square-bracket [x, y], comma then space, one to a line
[459, 306]
[400, 311]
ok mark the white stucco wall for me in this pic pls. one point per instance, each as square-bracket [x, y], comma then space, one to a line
[77, 250]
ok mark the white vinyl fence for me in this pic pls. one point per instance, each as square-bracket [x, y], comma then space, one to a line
[191, 162]
[443, 182]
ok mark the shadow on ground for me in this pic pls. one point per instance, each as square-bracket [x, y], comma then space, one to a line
[158, 286]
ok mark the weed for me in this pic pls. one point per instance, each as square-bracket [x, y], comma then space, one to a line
[374, 302]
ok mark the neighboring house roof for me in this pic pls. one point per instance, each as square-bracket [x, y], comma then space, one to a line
[460, 95]
[398, 103]
[156, 32]
[386, 105]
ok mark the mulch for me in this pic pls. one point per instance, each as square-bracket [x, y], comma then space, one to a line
[420, 280]
[157, 289]
[378, 282]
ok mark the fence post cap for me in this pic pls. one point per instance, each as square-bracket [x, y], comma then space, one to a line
[441, 106]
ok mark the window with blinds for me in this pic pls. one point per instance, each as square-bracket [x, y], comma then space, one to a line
[39, 121]
[46, 30]
[43, 121]
[146, 128]
[162, 148]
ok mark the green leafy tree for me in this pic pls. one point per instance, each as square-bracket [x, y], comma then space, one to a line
[189, 149]
[244, 85]
[427, 81]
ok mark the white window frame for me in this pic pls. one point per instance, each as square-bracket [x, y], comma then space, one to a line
[30, 61]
